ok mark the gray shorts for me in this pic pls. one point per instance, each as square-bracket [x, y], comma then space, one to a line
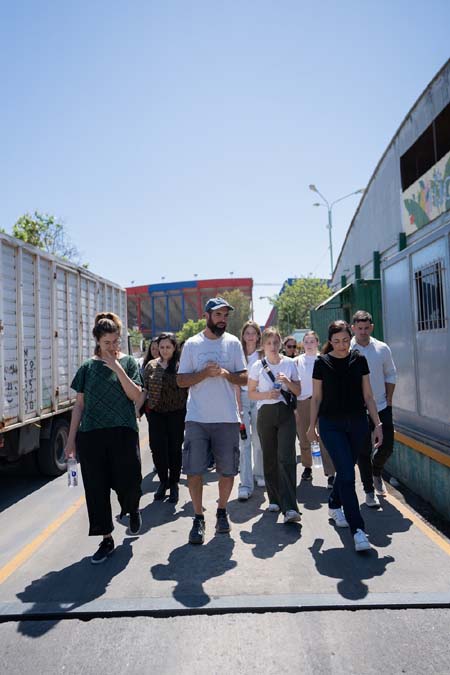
[219, 439]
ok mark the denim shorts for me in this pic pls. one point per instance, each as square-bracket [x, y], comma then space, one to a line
[217, 439]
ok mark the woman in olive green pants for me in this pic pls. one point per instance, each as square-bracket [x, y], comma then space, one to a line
[276, 423]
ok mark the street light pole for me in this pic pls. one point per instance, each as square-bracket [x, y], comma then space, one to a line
[329, 208]
[330, 226]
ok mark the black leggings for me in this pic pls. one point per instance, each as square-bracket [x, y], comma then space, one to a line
[109, 458]
[166, 431]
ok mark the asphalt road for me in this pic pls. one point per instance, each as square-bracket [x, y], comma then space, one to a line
[194, 607]
[366, 642]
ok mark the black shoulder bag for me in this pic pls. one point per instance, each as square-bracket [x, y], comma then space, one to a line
[288, 396]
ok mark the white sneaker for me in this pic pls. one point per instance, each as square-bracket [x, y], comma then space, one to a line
[273, 507]
[372, 500]
[380, 488]
[292, 517]
[260, 482]
[243, 494]
[338, 516]
[361, 541]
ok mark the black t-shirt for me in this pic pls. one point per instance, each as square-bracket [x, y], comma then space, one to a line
[342, 392]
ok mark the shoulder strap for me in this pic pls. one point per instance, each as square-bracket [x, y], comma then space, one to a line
[265, 365]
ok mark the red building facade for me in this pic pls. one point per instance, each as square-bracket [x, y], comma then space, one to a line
[157, 308]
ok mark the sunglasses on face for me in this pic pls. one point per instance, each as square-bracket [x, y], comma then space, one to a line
[291, 346]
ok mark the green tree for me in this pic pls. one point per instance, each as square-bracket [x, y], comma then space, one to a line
[136, 338]
[47, 233]
[191, 328]
[241, 313]
[295, 302]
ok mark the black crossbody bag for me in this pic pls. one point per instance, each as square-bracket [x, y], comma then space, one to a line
[288, 396]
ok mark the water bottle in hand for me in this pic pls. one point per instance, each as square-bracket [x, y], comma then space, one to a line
[72, 472]
[316, 456]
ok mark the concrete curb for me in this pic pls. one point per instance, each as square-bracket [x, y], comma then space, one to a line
[196, 605]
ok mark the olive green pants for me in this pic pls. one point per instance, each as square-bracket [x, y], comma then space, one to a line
[277, 433]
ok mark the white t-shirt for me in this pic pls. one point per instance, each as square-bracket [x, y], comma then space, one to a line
[250, 361]
[264, 383]
[305, 365]
[212, 399]
[381, 366]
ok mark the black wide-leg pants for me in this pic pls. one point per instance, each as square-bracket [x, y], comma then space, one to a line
[109, 459]
[166, 430]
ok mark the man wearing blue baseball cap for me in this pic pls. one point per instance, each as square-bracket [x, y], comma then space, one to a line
[212, 362]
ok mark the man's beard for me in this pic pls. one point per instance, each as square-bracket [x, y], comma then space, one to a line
[217, 330]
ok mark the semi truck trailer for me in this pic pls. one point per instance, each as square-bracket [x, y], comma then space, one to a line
[47, 310]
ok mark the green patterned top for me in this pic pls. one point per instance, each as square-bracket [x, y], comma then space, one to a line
[106, 404]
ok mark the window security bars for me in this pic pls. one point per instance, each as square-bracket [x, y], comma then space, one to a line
[430, 297]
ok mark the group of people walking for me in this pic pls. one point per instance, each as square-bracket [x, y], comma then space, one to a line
[197, 401]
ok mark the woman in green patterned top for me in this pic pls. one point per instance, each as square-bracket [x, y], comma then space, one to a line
[104, 431]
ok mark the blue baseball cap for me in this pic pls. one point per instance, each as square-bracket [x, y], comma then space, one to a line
[217, 303]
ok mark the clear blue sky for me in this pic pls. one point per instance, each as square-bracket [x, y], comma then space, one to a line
[176, 137]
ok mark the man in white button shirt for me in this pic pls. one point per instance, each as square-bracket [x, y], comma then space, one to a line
[383, 376]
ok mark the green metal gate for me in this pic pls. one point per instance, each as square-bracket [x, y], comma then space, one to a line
[361, 294]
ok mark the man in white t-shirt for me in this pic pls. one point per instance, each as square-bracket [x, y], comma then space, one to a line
[211, 363]
[383, 376]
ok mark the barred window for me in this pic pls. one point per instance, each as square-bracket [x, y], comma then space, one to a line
[430, 297]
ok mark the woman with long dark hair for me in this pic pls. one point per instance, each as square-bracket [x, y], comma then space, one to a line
[165, 409]
[250, 471]
[341, 394]
[104, 429]
[151, 353]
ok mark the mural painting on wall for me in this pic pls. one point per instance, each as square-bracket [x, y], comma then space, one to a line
[428, 197]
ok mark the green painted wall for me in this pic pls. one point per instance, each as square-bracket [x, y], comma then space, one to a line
[423, 475]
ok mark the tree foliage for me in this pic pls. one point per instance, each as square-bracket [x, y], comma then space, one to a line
[47, 233]
[136, 338]
[295, 302]
[191, 328]
[237, 318]
[241, 313]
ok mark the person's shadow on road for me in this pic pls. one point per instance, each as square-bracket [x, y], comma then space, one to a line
[349, 567]
[312, 497]
[382, 523]
[270, 537]
[64, 590]
[159, 513]
[191, 566]
[241, 512]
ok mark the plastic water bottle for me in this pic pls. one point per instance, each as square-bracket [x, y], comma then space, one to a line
[316, 456]
[72, 472]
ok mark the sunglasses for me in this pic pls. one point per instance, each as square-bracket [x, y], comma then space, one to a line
[291, 346]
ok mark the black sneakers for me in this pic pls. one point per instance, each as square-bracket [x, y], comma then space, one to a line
[174, 494]
[307, 474]
[135, 523]
[197, 533]
[160, 493]
[104, 550]
[222, 524]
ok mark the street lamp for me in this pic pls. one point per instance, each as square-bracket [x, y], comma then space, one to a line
[329, 208]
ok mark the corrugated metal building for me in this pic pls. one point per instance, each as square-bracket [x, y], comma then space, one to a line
[400, 234]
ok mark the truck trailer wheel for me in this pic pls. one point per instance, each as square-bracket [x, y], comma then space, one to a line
[50, 454]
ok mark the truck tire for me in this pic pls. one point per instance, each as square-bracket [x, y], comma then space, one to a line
[50, 454]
